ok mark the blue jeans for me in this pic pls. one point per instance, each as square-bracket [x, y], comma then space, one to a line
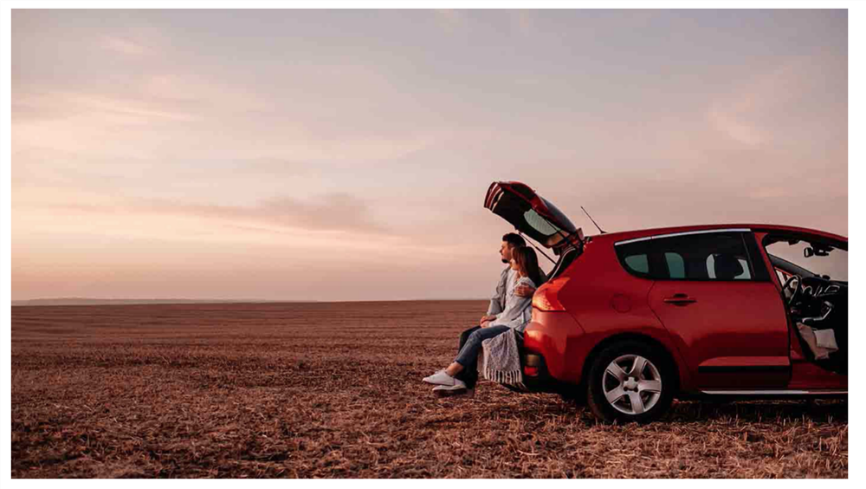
[468, 356]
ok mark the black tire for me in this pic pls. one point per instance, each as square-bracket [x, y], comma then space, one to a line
[649, 405]
[575, 394]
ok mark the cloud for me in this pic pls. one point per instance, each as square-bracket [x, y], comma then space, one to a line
[339, 212]
[735, 124]
[774, 99]
[123, 46]
[62, 105]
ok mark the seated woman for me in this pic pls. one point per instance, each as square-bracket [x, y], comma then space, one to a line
[525, 262]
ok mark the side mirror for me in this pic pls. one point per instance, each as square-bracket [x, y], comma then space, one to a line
[810, 251]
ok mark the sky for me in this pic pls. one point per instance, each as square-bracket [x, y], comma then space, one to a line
[344, 155]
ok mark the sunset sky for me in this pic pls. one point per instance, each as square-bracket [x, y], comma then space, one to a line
[344, 155]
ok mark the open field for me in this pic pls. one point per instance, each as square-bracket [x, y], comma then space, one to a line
[334, 390]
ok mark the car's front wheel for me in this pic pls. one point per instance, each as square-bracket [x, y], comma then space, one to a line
[630, 381]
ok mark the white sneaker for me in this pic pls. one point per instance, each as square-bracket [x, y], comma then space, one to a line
[441, 378]
[427, 379]
[453, 390]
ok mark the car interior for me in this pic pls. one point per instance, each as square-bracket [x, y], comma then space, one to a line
[817, 304]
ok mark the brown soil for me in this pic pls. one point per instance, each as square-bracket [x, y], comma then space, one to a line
[334, 390]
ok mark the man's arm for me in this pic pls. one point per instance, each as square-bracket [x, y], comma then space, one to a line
[526, 290]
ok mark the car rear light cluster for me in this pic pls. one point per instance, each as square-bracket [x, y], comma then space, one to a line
[532, 364]
[546, 297]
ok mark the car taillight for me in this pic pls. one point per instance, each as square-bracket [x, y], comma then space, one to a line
[546, 297]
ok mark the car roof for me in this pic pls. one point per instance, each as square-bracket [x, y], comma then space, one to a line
[642, 233]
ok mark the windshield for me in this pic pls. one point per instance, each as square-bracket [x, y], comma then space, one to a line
[834, 265]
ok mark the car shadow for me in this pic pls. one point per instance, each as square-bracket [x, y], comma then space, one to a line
[819, 411]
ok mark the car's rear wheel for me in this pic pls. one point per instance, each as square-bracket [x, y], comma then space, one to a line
[630, 381]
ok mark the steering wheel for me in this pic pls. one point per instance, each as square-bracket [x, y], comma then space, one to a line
[795, 288]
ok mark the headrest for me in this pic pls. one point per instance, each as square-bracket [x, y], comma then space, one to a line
[727, 266]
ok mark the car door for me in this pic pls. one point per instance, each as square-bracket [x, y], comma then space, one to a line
[714, 295]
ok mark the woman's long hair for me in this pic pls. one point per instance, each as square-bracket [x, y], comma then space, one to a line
[527, 260]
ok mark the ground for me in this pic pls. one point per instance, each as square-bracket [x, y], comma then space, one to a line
[334, 390]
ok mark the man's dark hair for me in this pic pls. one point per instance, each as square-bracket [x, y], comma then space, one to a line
[514, 240]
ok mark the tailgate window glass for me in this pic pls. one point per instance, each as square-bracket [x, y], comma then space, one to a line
[539, 223]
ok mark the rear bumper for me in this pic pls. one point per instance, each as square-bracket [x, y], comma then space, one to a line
[558, 340]
[536, 377]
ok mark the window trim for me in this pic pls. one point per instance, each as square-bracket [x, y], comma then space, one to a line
[686, 233]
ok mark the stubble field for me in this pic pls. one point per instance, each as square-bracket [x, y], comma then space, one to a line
[334, 390]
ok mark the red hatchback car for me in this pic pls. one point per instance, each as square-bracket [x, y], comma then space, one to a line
[632, 320]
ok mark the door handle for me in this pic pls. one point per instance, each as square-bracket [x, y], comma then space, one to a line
[680, 300]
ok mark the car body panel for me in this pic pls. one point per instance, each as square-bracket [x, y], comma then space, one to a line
[735, 334]
[558, 338]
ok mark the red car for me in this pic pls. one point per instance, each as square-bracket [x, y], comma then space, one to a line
[631, 320]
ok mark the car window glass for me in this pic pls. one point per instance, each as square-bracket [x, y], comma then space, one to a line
[634, 257]
[676, 265]
[704, 256]
[711, 269]
[539, 223]
[638, 263]
[834, 265]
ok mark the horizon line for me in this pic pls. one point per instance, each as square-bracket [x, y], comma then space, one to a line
[85, 301]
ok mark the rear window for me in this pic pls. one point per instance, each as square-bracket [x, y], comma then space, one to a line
[539, 223]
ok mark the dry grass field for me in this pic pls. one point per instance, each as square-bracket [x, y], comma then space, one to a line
[334, 390]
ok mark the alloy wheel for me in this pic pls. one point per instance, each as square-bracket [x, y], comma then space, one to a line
[632, 384]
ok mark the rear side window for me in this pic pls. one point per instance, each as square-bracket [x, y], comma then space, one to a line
[638, 263]
[634, 257]
[722, 256]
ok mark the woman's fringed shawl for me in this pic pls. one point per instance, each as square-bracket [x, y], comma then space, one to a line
[500, 360]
